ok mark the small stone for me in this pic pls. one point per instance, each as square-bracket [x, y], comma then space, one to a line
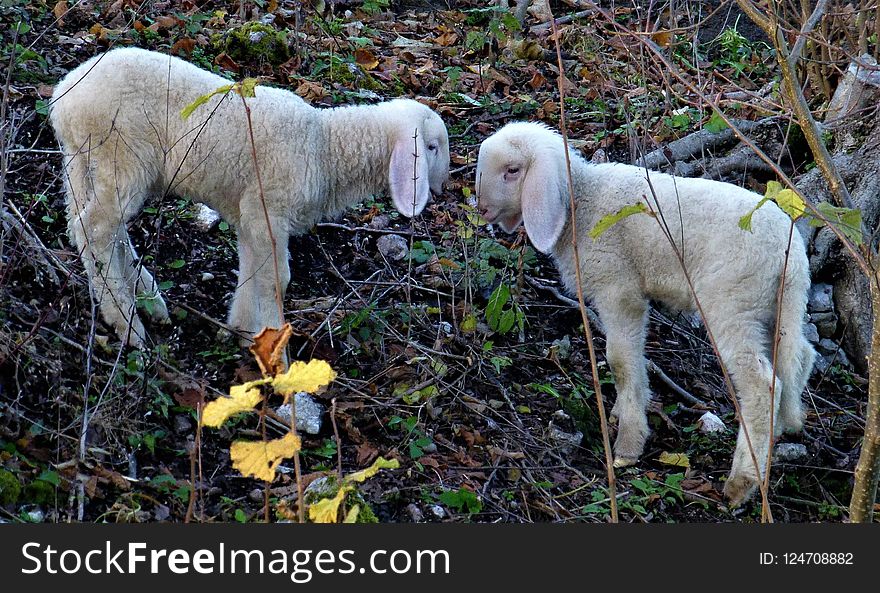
[415, 513]
[380, 222]
[256, 495]
[267, 19]
[205, 218]
[256, 36]
[820, 300]
[558, 415]
[161, 513]
[811, 333]
[36, 516]
[710, 423]
[207, 277]
[827, 347]
[565, 441]
[825, 322]
[437, 511]
[393, 247]
[309, 413]
[182, 424]
[561, 348]
[790, 452]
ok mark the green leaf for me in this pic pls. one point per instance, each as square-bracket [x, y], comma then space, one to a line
[51, 477]
[462, 500]
[715, 124]
[189, 109]
[745, 223]
[609, 220]
[847, 220]
[177, 264]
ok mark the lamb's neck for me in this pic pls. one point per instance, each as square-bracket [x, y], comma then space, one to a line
[584, 184]
[359, 151]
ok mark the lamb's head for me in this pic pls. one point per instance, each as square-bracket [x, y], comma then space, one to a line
[521, 178]
[420, 151]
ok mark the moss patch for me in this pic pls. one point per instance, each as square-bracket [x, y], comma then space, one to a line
[253, 43]
[10, 488]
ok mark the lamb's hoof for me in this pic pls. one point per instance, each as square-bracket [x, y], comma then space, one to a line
[625, 461]
[738, 489]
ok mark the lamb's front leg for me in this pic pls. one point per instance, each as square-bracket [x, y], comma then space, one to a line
[255, 304]
[625, 317]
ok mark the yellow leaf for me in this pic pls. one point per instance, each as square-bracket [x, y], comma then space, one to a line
[326, 510]
[304, 377]
[352, 515]
[189, 109]
[371, 471]
[248, 87]
[242, 398]
[259, 459]
[677, 459]
[791, 203]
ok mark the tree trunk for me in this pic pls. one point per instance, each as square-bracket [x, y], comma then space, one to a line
[861, 507]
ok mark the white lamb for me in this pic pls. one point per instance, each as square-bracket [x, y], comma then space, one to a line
[117, 117]
[521, 177]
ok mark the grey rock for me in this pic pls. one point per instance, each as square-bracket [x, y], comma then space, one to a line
[820, 299]
[415, 513]
[437, 511]
[182, 424]
[710, 423]
[393, 247]
[256, 36]
[811, 333]
[825, 246]
[827, 347]
[207, 277]
[206, 218]
[790, 452]
[309, 413]
[161, 513]
[256, 495]
[825, 322]
[267, 19]
[380, 222]
[565, 441]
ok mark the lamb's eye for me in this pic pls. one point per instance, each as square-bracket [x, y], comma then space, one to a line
[512, 170]
[432, 147]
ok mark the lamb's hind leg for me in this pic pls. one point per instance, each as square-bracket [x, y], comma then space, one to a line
[625, 318]
[743, 350]
[98, 229]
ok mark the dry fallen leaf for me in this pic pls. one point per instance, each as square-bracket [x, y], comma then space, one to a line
[59, 11]
[365, 58]
[268, 348]
[676, 459]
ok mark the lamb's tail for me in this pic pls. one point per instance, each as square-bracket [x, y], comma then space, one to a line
[795, 354]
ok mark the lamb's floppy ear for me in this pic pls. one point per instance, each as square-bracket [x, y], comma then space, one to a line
[544, 200]
[408, 172]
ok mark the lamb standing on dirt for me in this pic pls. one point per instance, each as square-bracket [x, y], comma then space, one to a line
[521, 177]
[118, 119]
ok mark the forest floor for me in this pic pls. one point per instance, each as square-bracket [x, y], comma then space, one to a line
[482, 421]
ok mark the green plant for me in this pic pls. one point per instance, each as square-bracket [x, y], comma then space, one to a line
[462, 501]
